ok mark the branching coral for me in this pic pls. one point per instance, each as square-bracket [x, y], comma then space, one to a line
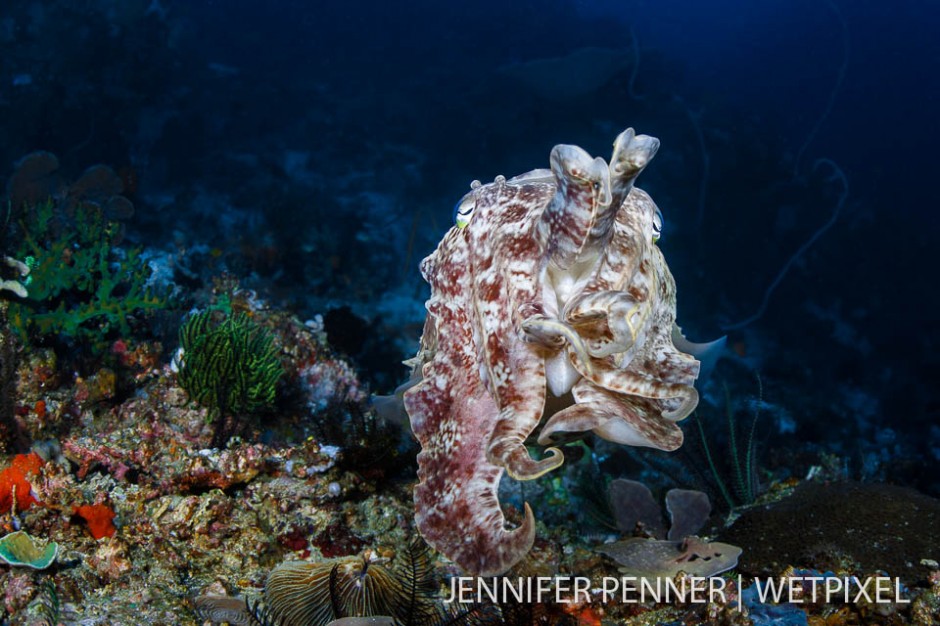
[80, 285]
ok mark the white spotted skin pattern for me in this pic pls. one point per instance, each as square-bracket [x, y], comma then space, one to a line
[546, 270]
[456, 505]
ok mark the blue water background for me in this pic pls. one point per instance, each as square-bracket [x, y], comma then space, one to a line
[297, 126]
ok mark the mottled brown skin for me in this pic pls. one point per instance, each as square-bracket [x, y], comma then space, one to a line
[480, 384]
[554, 284]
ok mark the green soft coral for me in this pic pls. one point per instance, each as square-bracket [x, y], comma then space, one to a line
[80, 286]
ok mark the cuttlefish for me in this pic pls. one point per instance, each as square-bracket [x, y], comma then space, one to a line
[549, 286]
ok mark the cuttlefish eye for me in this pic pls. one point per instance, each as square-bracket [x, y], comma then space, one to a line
[657, 225]
[463, 210]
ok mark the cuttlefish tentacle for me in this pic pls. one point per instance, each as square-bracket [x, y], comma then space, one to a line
[507, 449]
[519, 389]
[685, 408]
[530, 315]
[516, 378]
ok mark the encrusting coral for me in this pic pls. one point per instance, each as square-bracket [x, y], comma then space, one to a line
[16, 492]
[99, 518]
[20, 549]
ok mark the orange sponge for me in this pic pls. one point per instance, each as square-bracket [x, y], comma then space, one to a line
[15, 486]
[99, 518]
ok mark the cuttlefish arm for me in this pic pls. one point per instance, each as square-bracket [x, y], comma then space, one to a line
[606, 374]
[627, 420]
[582, 196]
[632, 153]
[612, 308]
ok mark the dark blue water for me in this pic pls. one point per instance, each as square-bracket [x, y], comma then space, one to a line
[318, 149]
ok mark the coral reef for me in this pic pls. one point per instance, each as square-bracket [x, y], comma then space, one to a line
[16, 492]
[284, 171]
[138, 504]
[13, 437]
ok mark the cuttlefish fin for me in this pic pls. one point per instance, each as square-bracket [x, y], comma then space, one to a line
[706, 353]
